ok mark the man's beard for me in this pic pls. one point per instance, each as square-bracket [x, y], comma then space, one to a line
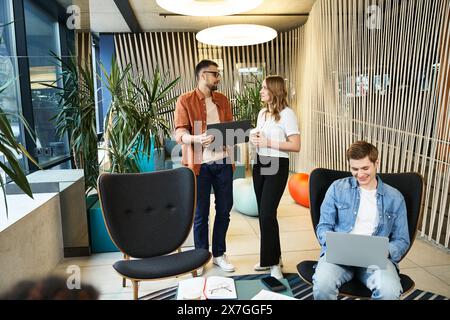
[213, 87]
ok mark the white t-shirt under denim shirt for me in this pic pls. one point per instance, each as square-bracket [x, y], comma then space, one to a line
[277, 131]
[367, 216]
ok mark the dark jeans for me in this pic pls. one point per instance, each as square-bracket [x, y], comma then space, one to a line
[269, 180]
[220, 177]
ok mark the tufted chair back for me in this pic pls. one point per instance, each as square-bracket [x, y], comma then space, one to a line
[410, 185]
[148, 214]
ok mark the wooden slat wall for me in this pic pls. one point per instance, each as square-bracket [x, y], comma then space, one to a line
[83, 47]
[403, 109]
[179, 52]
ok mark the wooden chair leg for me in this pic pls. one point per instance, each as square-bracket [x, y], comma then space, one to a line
[135, 289]
[124, 280]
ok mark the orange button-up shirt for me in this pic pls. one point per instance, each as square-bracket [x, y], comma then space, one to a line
[190, 115]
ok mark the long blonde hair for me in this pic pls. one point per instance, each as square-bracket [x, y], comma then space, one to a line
[278, 92]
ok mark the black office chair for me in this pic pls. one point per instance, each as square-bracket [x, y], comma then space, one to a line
[148, 217]
[409, 184]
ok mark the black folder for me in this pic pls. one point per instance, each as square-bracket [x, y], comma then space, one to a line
[229, 133]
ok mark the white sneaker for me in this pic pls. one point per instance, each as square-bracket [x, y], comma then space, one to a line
[275, 271]
[257, 267]
[223, 263]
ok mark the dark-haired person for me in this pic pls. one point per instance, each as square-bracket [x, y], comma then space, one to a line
[194, 111]
[275, 135]
[362, 204]
[49, 288]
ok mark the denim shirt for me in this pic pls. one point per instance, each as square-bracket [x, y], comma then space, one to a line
[340, 207]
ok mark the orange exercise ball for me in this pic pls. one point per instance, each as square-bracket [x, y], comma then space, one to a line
[299, 188]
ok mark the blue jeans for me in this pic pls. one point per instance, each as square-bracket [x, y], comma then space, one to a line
[328, 278]
[220, 177]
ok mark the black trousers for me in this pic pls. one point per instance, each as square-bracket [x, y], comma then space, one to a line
[270, 176]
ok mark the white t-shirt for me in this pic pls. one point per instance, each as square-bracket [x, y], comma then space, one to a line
[277, 131]
[367, 218]
[212, 116]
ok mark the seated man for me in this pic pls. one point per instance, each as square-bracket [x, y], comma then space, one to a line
[371, 208]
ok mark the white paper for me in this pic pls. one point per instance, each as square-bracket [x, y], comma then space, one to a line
[191, 289]
[270, 295]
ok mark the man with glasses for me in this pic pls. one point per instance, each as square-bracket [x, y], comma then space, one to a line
[213, 167]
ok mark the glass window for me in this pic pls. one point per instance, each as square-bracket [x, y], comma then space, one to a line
[62, 166]
[42, 39]
[248, 73]
[9, 99]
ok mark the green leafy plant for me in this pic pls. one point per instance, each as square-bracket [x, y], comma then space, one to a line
[10, 148]
[247, 106]
[76, 116]
[136, 116]
[248, 102]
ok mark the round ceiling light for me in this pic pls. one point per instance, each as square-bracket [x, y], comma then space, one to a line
[232, 35]
[208, 8]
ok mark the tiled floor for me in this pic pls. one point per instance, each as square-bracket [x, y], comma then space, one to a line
[427, 265]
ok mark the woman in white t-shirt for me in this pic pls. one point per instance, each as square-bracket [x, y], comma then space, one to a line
[275, 135]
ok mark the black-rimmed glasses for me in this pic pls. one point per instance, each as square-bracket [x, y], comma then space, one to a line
[215, 73]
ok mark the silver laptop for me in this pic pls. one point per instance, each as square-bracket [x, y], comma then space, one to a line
[357, 250]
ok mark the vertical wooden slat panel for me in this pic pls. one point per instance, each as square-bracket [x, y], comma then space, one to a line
[145, 55]
[149, 55]
[162, 36]
[196, 59]
[138, 52]
[402, 110]
[191, 51]
[185, 60]
[128, 51]
[120, 53]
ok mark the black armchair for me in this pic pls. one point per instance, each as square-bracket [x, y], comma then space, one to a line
[409, 184]
[148, 217]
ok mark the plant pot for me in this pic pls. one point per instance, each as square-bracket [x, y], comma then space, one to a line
[155, 162]
[100, 240]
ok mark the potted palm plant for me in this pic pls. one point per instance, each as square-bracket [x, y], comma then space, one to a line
[76, 116]
[136, 117]
[135, 126]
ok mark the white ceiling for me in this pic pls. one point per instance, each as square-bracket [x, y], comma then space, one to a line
[104, 16]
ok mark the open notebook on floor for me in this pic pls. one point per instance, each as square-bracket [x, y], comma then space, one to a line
[201, 288]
